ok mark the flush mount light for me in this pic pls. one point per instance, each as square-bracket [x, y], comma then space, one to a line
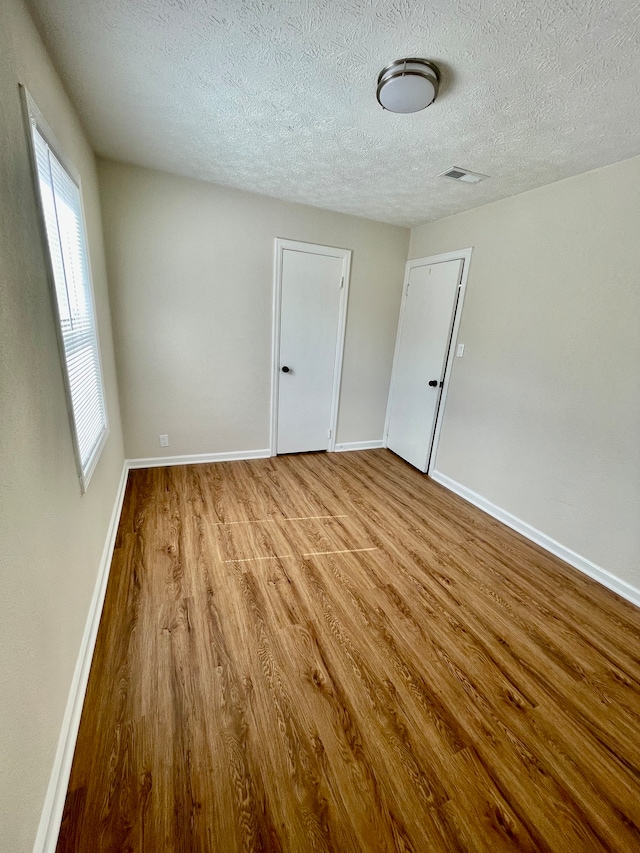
[408, 85]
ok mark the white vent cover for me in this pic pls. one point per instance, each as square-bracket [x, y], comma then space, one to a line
[464, 175]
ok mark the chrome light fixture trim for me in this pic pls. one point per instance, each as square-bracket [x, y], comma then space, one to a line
[408, 85]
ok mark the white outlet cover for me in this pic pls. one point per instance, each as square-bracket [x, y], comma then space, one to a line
[164, 441]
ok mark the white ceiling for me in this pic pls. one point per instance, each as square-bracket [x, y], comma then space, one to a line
[278, 96]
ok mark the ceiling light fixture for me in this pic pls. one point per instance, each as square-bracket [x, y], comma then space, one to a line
[408, 85]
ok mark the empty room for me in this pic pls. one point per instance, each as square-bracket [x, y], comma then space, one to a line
[320, 418]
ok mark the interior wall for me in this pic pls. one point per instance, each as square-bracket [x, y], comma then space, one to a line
[191, 274]
[543, 412]
[52, 537]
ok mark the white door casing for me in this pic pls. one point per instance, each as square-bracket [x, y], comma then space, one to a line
[429, 318]
[310, 299]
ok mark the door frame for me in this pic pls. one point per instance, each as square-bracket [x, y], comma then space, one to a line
[314, 249]
[463, 255]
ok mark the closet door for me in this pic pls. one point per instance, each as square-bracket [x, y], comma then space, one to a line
[312, 304]
[424, 337]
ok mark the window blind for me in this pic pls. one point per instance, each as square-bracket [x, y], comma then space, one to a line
[62, 213]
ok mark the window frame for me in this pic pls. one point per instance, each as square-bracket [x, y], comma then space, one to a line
[33, 117]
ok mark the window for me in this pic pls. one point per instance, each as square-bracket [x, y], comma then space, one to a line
[62, 216]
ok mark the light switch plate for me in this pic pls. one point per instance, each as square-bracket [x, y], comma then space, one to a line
[460, 351]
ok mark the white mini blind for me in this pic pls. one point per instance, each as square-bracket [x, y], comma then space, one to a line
[62, 212]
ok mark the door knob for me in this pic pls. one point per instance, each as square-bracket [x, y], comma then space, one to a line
[433, 383]
[286, 369]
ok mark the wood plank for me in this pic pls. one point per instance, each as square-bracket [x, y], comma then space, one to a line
[330, 652]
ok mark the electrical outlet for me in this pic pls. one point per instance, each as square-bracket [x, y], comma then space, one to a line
[164, 441]
[460, 351]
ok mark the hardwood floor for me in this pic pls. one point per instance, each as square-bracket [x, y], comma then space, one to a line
[334, 653]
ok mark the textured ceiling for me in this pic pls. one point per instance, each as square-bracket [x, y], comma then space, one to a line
[278, 96]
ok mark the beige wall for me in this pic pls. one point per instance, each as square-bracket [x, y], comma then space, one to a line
[51, 537]
[543, 414]
[191, 270]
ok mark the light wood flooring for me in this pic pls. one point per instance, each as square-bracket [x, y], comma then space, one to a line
[333, 653]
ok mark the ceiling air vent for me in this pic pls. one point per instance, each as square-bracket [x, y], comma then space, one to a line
[463, 175]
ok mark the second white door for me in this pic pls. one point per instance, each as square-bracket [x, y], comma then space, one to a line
[424, 334]
[312, 291]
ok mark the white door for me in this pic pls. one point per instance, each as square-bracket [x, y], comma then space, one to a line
[312, 289]
[421, 354]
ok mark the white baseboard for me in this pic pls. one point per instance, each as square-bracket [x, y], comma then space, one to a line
[358, 445]
[194, 459]
[599, 574]
[51, 818]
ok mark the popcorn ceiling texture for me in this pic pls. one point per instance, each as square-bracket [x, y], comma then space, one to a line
[278, 96]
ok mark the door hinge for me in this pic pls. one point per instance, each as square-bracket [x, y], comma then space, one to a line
[329, 434]
[341, 282]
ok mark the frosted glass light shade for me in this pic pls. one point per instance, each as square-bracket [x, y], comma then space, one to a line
[408, 85]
